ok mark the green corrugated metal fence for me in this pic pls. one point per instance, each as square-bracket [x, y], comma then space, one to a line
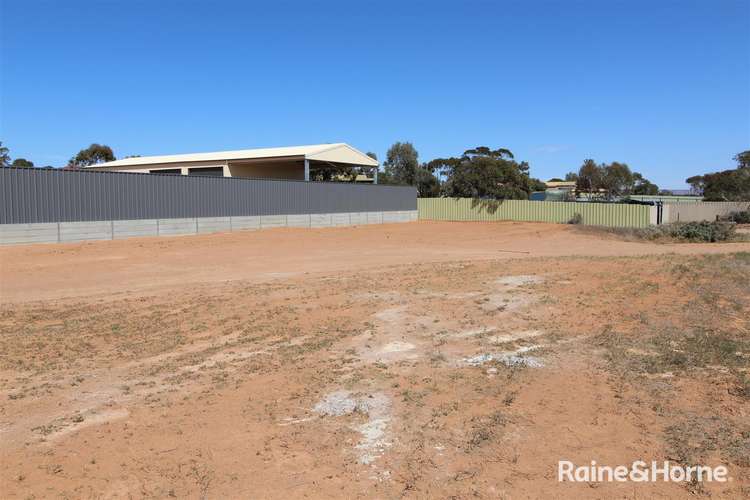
[593, 214]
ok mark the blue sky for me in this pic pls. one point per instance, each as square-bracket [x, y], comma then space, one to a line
[661, 85]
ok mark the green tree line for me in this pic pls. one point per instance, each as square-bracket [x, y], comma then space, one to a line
[610, 181]
[480, 172]
[726, 185]
[95, 153]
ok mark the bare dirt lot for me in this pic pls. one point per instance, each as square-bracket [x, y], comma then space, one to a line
[411, 360]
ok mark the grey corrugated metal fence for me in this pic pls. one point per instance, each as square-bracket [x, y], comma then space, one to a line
[46, 195]
[707, 210]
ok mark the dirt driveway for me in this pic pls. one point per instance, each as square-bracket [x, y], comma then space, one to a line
[413, 360]
[143, 264]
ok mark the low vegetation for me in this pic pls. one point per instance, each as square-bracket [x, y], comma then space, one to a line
[365, 379]
[741, 217]
[708, 342]
[688, 359]
[696, 232]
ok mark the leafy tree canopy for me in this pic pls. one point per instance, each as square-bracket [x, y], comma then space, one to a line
[727, 185]
[428, 185]
[22, 163]
[401, 164]
[482, 172]
[402, 167]
[742, 159]
[610, 181]
[4, 157]
[536, 184]
[96, 153]
[643, 186]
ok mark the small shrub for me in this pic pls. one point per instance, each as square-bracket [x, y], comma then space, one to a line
[743, 387]
[650, 232]
[702, 231]
[740, 217]
[576, 219]
[680, 231]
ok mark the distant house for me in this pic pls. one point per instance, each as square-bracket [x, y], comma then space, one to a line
[683, 192]
[556, 191]
[569, 186]
[291, 163]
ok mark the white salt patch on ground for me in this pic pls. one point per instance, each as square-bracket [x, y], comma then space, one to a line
[390, 352]
[374, 432]
[386, 343]
[373, 442]
[506, 359]
[336, 404]
[396, 347]
[512, 358]
[293, 421]
[512, 337]
[391, 315]
[530, 361]
[376, 404]
[504, 301]
[221, 357]
[520, 280]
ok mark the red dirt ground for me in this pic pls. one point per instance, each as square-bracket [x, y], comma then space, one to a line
[409, 360]
[140, 264]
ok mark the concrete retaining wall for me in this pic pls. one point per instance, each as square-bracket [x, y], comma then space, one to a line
[245, 223]
[134, 228]
[29, 233]
[320, 220]
[341, 219]
[175, 227]
[82, 231]
[358, 218]
[298, 220]
[64, 232]
[214, 224]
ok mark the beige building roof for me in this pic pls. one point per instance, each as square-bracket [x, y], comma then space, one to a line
[334, 153]
[561, 184]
